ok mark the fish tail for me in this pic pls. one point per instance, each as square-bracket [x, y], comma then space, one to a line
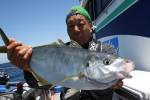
[6, 41]
[4, 37]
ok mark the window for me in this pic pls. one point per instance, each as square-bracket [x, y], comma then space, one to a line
[105, 3]
[89, 8]
[95, 7]
[100, 5]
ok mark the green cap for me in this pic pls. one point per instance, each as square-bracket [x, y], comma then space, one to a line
[78, 10]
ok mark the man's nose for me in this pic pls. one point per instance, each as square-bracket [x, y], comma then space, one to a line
[76, 28]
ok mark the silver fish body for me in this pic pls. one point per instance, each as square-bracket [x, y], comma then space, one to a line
[78, 68]
[75, 67]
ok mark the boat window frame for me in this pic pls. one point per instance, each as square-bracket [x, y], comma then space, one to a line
[92, 6]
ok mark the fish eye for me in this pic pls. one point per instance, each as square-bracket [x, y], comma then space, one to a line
[107, 61]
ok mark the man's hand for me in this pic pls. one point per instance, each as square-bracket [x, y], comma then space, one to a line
[19, 54]
[118, 85]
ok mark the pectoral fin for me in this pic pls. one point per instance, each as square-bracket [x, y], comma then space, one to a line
[70, 93]
[77, 77]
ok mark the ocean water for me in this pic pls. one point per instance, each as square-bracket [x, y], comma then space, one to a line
[15, 73]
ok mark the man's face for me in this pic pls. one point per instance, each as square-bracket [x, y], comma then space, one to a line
[79, 29]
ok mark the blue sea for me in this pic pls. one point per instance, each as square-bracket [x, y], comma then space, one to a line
[15, 73]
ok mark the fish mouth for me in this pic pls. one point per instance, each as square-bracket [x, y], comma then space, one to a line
[128, 65]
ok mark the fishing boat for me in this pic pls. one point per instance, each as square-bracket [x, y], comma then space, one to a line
[124, 24]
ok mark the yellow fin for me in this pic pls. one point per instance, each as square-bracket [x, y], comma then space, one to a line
[73, 77]
[39, 79]
[70, 92]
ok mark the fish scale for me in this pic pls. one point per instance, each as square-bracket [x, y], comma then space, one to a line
[75, 67]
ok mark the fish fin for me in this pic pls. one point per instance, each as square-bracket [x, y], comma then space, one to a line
[60, 42]
[73, 77]
[53, 44]
[4, 37]
[78, 77]
[70, 92]
[3, 49]
[40, 80]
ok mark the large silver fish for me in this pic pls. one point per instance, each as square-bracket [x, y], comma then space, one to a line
[76, 67]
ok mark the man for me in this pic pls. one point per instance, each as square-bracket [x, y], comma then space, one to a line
[79, 29]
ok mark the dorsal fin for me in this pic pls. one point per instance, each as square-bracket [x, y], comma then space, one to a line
[60, 42]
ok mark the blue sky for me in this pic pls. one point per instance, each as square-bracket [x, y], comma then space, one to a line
[34, 22]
